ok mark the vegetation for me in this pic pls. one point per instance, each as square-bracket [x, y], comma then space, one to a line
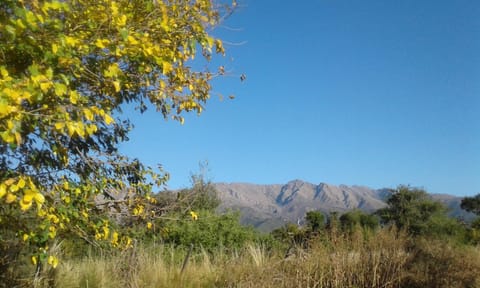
[211, 249]
[74, 212]
[66, 70]
[413, 210]
[471, 204]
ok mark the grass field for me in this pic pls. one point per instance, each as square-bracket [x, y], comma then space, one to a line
[386, 258]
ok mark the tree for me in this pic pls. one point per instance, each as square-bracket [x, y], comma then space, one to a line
[202, 195]
[355, 218]
[315, 220]
[471, 204]
[66, 70]
[412, 209]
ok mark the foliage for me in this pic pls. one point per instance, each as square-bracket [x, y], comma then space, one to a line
[315, 220]
[66, 70]
[209, 232]
[291, 234]
[471, 204]
[189, 217]
[201, 196]
[440, 263]
[350, 220]
[412, 209]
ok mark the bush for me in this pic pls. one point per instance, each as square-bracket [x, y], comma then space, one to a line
[210, 231]
[350, 220]
[440, 263]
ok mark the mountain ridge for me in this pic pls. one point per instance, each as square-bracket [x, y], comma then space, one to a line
[269, 206]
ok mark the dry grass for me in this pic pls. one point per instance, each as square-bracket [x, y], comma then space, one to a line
[137, 268]
[334, 262]
[437, 263]
[386, 258]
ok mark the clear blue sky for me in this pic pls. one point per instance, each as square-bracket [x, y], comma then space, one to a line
[376, 93]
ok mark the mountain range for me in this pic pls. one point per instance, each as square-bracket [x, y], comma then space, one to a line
[267, 207]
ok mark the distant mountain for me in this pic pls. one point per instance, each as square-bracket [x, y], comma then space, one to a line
[270, 206]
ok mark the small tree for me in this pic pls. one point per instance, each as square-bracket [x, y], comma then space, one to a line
[471, 204]
[315, 220]
[413, 210]
[358, 218]
[202, 195]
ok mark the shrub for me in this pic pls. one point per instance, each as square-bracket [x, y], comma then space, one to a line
[441, 263]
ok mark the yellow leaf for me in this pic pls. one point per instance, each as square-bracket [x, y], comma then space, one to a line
[10, 198]
[80, 129]
[21, 183]
[108, 119]
[114, 239]
[44, 86]
[194, 215]
[13, 188]
[34, 260]
[114, 7]
[131, 40]
[59, 125]
[106, 232]
[4, 72]
[61, 89]
[67, 199]
[52, 233]
[7, 137]
[31, 19]
[122, 20]
[74, 97]
[112, 71]
[116, 84]
[210, 41]
[9, 181]
[39, 198]
[88, 114]
[3, 190]
[99, 44]
[166, 67]
[71, 41]
[18, 138]
[91, 129]
[219, 46]
[54, 48]
[148, 51]
[71, 128]
[25, 204]
[52, 260]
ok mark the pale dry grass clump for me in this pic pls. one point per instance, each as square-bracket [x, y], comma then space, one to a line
[342, 261]
[94, 272]
[385, 258]
[439, 263]
[139, 267]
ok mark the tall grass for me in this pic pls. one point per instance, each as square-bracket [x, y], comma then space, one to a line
[343, 261]
[386, 258]
[142, 267]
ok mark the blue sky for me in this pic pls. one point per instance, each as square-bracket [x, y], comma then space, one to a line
[376, 93]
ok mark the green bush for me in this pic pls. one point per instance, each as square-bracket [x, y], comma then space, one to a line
[350, 220]
[211, 231]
